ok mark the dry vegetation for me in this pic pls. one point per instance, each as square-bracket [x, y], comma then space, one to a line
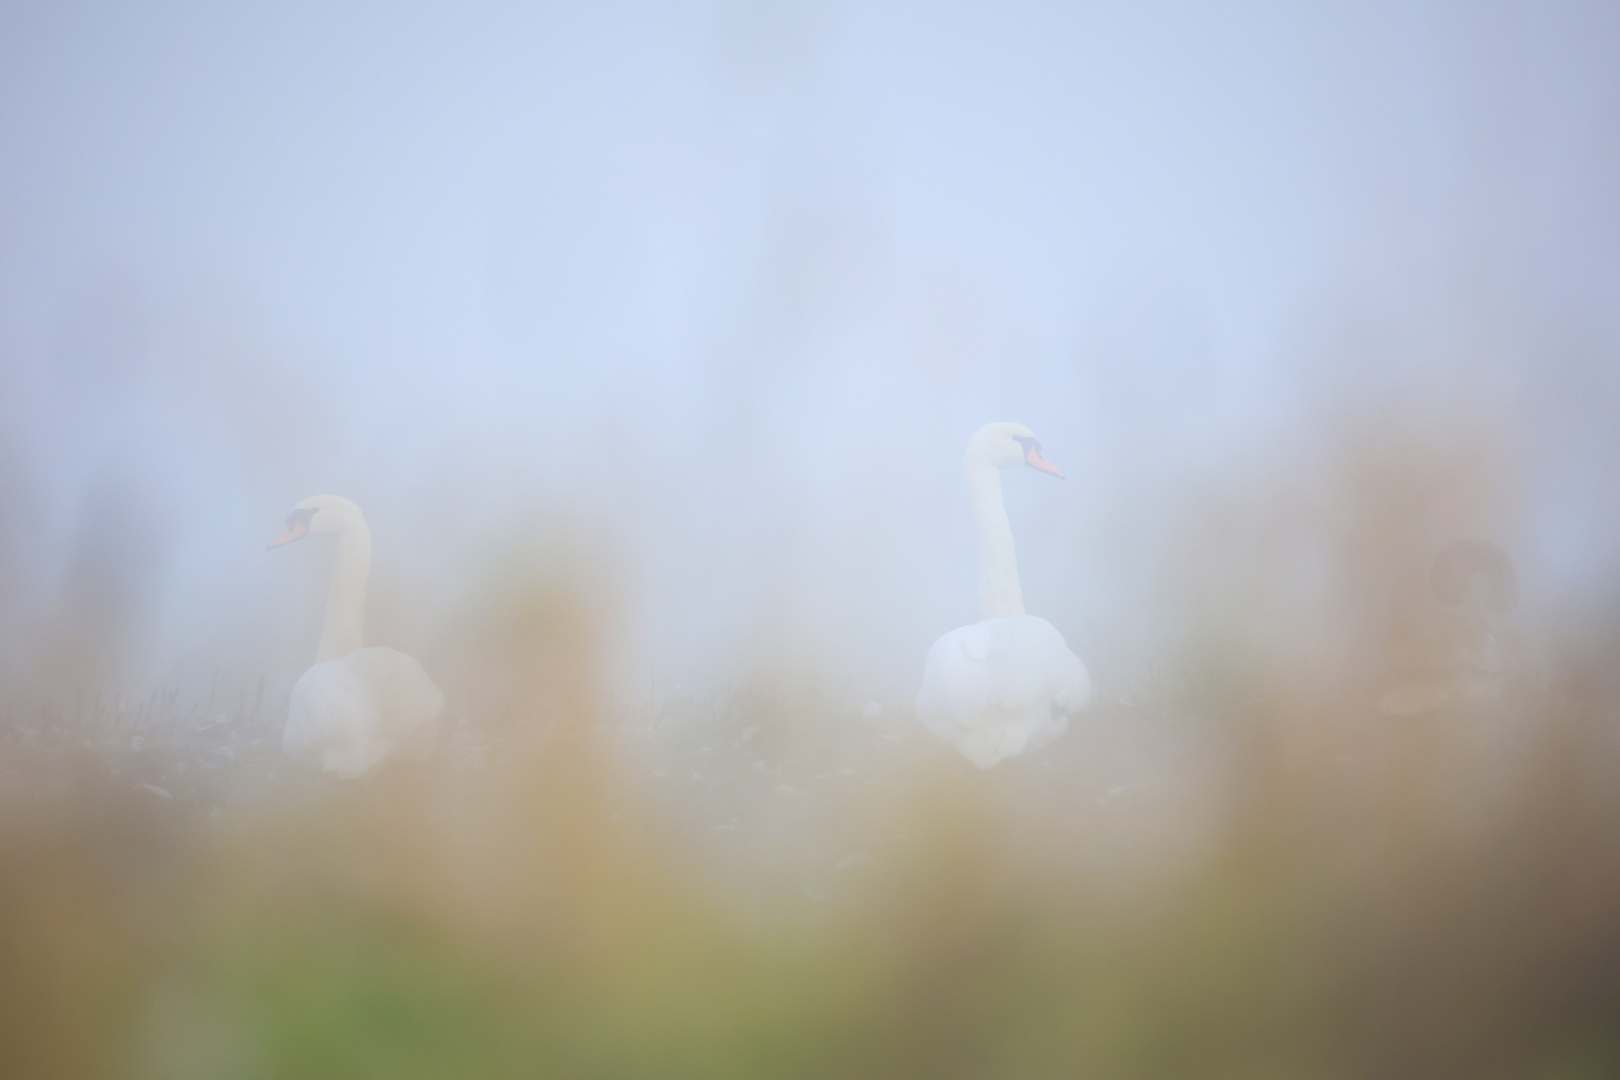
[1243, 871]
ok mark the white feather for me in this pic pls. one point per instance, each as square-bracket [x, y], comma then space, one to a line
[351, 713]
[356, 706]
[995, 688]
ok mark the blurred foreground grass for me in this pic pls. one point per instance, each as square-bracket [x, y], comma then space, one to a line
[1286, 885]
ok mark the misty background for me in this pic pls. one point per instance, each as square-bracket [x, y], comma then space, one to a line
[701, 303]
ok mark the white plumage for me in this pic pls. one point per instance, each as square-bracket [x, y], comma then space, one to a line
[356, 706]
[351, 713]
[996, 688]
[1007, 683]
[1463, 649]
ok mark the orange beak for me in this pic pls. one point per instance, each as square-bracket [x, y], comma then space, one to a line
[297, 532]
[1035, 459]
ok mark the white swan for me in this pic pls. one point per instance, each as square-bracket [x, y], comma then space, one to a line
[1009, 682]
[1466, 650]
[356, 706]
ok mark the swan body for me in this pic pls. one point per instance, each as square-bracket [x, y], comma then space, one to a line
[351, 713]
[1467, 651]
[356, 706]
[1008, 683]
[998, 687]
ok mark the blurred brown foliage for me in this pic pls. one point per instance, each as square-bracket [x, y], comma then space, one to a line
[1246, 871]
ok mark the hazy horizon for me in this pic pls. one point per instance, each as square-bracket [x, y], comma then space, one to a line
[718, 292]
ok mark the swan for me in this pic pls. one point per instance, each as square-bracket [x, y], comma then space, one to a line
[1007, 683]
[355, 706]
[1465, 651]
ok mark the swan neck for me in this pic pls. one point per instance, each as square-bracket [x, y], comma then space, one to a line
[999, 593]
[346, 600]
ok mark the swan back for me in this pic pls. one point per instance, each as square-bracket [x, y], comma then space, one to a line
[998, 687]
[1465, 650]
[352, 712]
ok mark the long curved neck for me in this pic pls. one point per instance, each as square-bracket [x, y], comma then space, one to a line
[999, 594]
[346, 600]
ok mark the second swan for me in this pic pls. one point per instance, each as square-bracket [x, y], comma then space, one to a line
[1008, 683]
[355, 706]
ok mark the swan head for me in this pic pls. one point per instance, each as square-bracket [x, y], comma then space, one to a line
[329, 514]
[1003, 445]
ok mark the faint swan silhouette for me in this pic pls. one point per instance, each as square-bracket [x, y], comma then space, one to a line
[1467, 650]
[355, 706]
[1007, 683]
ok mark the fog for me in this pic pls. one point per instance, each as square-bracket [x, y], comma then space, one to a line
[731, 286]
[680, 316]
